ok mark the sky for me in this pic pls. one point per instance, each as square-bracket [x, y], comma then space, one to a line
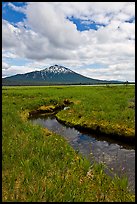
[95, 39]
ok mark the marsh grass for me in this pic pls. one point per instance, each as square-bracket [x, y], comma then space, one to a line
[38, 165]
[106, 108]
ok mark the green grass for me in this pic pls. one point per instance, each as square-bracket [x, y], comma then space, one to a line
[106, 108]
[38, 165]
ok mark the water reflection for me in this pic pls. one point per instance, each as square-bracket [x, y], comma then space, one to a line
[117, 156]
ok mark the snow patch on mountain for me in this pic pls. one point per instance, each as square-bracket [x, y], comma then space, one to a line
[42, 75]
[57, 69]
[34, 76]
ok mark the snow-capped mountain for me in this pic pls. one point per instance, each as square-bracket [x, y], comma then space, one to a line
[51, 75]
[57, 69]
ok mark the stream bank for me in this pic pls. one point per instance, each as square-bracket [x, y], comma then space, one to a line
[117, 155]
[96, 128]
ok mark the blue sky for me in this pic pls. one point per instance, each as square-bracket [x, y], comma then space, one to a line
[11, 15]
[85, 25]
[96, 39]
[14, 17]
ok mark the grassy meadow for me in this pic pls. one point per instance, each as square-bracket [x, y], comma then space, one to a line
[38, 165]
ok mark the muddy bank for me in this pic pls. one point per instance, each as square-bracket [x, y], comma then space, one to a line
[50, 109]
[95, 129]
[99, 132]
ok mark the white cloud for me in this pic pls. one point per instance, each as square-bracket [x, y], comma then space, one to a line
[13, 70]
[9, 35]
[17, 8]
[50, 23]
[113, 72]
[5, 66]
[8, 54]
[50, 38]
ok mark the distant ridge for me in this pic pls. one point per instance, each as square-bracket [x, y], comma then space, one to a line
[51, 76]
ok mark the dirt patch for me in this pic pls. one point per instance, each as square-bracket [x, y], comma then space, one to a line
[50, 109]
[131, 103]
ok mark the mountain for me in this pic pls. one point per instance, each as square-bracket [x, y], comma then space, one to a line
[52, 75]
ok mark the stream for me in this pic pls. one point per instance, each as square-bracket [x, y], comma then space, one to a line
[120, 158]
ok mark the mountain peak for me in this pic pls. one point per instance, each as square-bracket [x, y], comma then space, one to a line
[55, 74]
[57, 69]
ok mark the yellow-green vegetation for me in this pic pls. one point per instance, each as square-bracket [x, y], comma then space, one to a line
[38, 165]
[110, 110]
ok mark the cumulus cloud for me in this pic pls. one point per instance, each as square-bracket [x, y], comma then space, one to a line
[59, 31]
[9, 35]
[46, 36]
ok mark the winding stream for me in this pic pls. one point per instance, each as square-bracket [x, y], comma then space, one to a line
[117, 156]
